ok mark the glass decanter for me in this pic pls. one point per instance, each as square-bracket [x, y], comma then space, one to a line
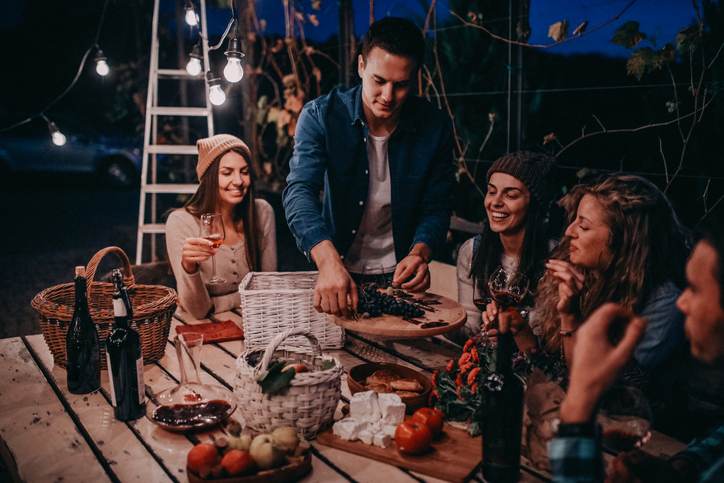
[190, 405]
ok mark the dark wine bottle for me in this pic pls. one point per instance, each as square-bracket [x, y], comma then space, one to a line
[82, 346]
[503, 418]
[125, 359]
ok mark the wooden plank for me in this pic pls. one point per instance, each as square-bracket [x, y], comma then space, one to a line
[30, 412]
[130, 459]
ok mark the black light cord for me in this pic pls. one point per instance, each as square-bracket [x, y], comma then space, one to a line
[72, 84]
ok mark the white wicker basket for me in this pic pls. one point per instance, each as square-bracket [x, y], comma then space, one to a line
[272, 302]
[308, 404]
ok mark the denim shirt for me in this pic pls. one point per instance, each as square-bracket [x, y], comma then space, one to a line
[330, 154]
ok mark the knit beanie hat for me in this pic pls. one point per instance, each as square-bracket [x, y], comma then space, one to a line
[529, 167]
[215, 146]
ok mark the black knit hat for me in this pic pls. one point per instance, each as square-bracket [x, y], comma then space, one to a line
[529, 167]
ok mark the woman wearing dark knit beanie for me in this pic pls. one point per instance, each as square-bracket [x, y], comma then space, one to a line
[513, 237]
[226, 187]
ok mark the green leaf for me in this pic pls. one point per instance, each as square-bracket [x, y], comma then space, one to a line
[628, 35]
[276, 380]
[326, 364]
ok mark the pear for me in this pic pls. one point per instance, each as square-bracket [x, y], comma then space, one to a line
[285, 438]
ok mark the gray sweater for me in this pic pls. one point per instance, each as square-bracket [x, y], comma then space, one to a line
[194, 296]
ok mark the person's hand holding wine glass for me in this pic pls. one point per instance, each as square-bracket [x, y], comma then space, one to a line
[502, 313]
[198, 249]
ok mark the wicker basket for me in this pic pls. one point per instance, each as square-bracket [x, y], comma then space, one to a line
[308, 404]
[153, 307]
[272, 302]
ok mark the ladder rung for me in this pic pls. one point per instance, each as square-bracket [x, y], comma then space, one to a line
[170, 188]
[153, 228]
[179, 111]
[178, 73]
[172, 149]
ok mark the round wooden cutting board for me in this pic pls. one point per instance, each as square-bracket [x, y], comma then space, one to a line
[446, 310]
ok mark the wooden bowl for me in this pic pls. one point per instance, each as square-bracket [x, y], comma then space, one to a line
[294, 471]
[358, 375]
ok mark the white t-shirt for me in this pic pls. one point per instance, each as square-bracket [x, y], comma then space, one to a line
[373, 248]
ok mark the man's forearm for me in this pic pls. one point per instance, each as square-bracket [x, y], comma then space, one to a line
[422, 250]
[324, 253]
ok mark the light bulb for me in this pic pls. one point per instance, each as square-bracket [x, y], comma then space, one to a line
[102, 68]
[216, 95]
[191, 17]
[58, 138]
[193, 67]
[234, 71]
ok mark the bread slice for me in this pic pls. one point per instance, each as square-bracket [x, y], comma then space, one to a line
[381, 376]
[406, 385]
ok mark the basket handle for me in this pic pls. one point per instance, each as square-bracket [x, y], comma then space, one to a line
[278, 339]
[90, 269]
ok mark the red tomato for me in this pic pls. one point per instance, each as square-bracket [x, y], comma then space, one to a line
[412, 437]
[236, 462]
[430, 417]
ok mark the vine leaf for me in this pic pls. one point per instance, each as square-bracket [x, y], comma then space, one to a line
[688, 38]
[628, 35]
[558, 30]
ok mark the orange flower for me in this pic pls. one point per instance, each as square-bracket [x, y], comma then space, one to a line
[434, 378]
[474, 354]
[468, 344]
[473, 375]
[464, 359]
[459, 380]
[474, 388]
[465, 368]
[450, 365]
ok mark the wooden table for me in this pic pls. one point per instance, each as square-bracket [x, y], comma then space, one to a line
[48, 434]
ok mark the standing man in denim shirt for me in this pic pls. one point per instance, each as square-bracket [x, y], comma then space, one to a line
[384, 160]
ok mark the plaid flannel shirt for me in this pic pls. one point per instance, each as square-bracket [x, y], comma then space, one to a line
[578, 459]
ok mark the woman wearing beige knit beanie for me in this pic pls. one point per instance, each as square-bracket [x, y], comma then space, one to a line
[226, 186]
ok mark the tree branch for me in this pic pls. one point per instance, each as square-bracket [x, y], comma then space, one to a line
[543, 46]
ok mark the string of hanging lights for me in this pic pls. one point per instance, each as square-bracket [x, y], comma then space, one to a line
[233, 71]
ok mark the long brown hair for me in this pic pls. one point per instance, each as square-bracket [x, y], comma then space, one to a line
[648, 245]
[206, 200]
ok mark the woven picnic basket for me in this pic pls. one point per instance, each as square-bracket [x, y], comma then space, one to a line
[272, 302]
[153, 307]
[308, 404]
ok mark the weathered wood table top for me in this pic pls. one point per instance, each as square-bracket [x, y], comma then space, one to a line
[48, 434]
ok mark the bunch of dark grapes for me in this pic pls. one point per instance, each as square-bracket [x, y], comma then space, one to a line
[373, 303]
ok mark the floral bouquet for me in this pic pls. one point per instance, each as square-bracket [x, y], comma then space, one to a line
[459, 390]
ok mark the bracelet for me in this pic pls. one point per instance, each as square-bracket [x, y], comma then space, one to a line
[567, 333]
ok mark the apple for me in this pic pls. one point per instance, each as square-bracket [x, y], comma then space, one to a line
[237, 462]
[265, 454]
[285, 438]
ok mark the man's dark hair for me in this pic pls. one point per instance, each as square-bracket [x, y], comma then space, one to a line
[712, 233]
[397, 36]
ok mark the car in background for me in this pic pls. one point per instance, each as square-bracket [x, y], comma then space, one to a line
[115, 159]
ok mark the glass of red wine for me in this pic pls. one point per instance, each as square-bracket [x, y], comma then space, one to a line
[508, 289]
[625, 418]
[212, 229]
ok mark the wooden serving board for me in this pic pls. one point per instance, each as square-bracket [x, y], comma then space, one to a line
[448, 311]
[455, 456]
[221, 331]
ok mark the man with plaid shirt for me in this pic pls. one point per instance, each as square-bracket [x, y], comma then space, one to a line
[575, 454]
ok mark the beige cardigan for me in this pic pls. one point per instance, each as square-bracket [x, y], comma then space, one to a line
[194, 296]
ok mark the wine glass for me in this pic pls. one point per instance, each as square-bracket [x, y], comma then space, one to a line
[625, 418]
[508, 289]
[212, 229]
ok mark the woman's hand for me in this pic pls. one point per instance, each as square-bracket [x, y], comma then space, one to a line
[508, 320]
[570, 283]
[195, 251]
